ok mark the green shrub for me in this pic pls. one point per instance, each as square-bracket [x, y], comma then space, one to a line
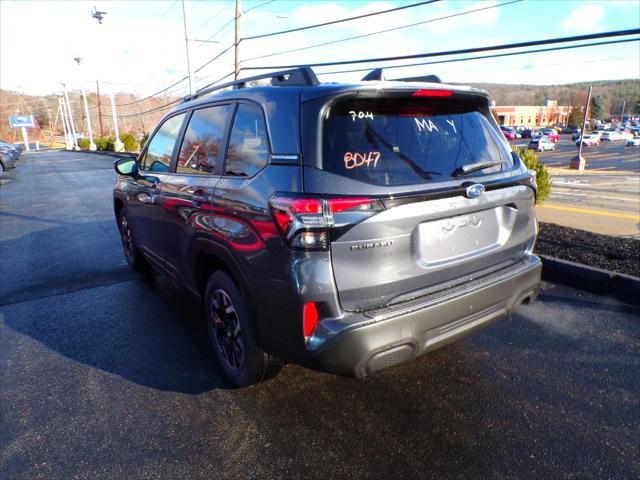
[543, 179]
[143, 140]
[104, 143]
[84, 143]
[129, 141]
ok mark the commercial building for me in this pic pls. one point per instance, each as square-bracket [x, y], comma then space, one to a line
[533, 116]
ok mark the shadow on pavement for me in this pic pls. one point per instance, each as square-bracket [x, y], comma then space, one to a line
[144, 331]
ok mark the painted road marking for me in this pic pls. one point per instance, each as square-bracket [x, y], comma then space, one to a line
[586, 195]
[603, 213]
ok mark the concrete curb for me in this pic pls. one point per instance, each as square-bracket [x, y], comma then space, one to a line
[92, 152]
[106, 154]
[603, 282]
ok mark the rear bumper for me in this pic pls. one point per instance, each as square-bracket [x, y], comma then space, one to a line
[381, 339]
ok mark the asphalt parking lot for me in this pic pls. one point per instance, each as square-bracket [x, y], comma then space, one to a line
[604, 199]
[606, 157]
[104, 375]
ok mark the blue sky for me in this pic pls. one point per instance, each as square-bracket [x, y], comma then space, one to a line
[140, 46]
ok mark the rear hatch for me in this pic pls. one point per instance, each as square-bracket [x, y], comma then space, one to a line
[454, 203]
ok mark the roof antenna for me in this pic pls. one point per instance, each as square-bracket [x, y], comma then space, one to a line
[376, 74]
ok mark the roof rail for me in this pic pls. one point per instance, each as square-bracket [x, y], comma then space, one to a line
[378, 74]
[301, 76]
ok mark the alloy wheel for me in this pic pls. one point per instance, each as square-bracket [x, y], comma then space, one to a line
[226, 329]
[127, 237]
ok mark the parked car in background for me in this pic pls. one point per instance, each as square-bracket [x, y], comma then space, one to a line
[541, 144]
[610, 137]
[527, 133]
[509, 132]
[634, 142]
[625, 135]
[589, 140]
[551, 133]
[8, 156]
[324, 224]
[575, 136]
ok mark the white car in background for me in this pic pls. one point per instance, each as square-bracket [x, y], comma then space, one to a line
[589, 140]
[634, 142]
[610, 137]
[626, 135]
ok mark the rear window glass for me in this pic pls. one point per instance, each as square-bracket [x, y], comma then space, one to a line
[399, 141]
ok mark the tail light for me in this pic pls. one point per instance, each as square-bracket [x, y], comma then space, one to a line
[305, 222]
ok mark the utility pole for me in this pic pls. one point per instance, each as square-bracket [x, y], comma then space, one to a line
[71, 122]
[62, 109]
[117, 144]
[92, 146]
[48, 110]
[192, 80]
[622, 114]
[579, 162]
[99, 109]
[236, 72]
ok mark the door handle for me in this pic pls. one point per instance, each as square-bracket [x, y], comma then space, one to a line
[199, 197]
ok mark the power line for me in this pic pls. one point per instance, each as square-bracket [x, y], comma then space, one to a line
[576, 38]
[566, 47]
[212, 17]
[244, 12]
[333, 22]
[214, 58]
[164, 106]
[177, 82]
[382, 31]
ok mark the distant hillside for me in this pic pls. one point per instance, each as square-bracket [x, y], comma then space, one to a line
[141, 115]
[613, 91]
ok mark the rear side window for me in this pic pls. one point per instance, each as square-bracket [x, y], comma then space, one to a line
[248, 148]
[406, 141]
[158, 156]
[202, 145]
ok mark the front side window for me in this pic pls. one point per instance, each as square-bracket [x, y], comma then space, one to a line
[158, 156]
[409, 141]
[202, 144]
[248, 148]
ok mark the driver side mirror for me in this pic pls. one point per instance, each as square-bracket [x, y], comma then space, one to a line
[126, 166]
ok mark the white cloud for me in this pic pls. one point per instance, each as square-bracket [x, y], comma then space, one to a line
[586, 18]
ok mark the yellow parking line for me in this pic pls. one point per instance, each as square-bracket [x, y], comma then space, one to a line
[603, 213]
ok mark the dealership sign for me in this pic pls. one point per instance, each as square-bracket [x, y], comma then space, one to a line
[18, 121]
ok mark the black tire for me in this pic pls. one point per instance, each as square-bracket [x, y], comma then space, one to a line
[232, 336]
[134, 256]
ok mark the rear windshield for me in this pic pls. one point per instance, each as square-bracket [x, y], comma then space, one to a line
[400, 141]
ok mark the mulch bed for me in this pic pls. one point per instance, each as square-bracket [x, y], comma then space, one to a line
[593, 249]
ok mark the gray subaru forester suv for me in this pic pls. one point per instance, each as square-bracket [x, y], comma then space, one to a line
[343, 227]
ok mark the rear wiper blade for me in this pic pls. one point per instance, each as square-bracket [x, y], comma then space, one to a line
[474, 167]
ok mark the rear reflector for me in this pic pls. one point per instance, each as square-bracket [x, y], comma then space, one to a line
[309, 319]
[432, 93]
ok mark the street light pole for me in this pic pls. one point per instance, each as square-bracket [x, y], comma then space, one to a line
[71, 122]
[236, 71]
[579, 162]
[192, 80]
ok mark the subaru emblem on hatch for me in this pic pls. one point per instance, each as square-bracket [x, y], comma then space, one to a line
[475, 190]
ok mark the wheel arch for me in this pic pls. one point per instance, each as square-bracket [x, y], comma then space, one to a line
[208, 257]
[117, 206]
